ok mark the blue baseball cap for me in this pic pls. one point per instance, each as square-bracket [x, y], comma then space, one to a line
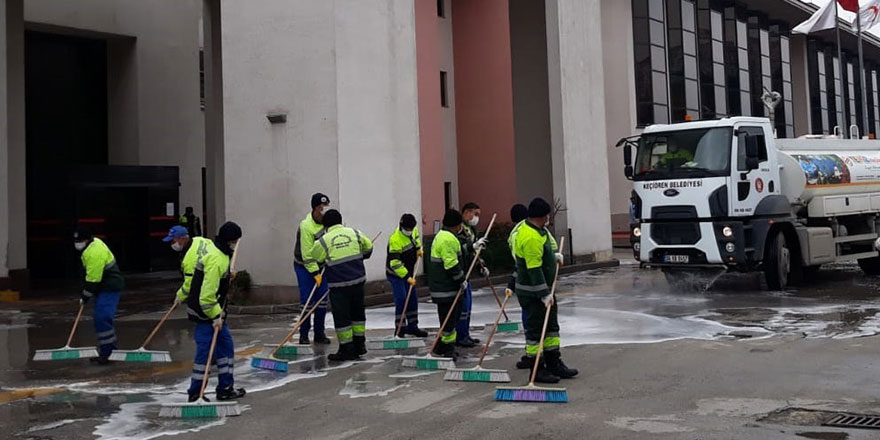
[176, 232]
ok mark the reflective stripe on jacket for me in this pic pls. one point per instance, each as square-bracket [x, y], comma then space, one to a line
[445, 272]
[197, 249]
[102, 272]
[308, 232]
[210, 285]
[402, 253]
[343, 250]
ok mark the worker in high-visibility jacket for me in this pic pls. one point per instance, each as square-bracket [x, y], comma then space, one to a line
[468, 236]
[536, 262]
[206, 305]
[190, 221]
[308, 272]
[192, 248]
[104, 282]
[343, 251]
[446, 276]
[404, 248]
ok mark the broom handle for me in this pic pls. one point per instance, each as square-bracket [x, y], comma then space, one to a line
[497, 298]
[161, 321]
[309, 299]
[208, 365]
[406, 301]
[494, 330]
[299, 323]
[75, 322]
[460, 289]
[547, 317]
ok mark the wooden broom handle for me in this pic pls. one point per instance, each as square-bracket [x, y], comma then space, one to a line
[208, 365]
[406, 301]
[547, 316]
[309, 299]
[299, 324]
[497, 298]
[75, 322]
[161, 321]
[461, 288]
[494, 330]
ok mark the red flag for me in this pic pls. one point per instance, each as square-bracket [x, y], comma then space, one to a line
[850, 5]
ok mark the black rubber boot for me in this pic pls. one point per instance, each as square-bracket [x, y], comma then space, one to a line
[322, 339]
[304, 339]
[417, 332]
[230, 394]
[557, 367]
[525, 363]
[544, 375]
[360, 345]
[101, 360]
[466, 343]
[195, 397]
[346, 353]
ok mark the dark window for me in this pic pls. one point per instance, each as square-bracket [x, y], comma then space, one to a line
[649, 45]
[444, 90]
[441, 8]
[741, 147]
[684, 93]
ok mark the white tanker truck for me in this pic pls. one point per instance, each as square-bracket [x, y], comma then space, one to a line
[727, 194]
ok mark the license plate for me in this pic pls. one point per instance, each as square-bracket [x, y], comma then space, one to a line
[677, 259]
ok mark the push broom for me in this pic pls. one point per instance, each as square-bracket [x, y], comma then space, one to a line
[272, 362]
[396, 342]
[68, 352]
[291, 350]
[478, 373]
[507, 326]
[429, 362]
[530, 392]
[142, 354]
[202, 408]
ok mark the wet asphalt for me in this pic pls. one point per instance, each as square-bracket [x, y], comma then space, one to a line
[630, 315]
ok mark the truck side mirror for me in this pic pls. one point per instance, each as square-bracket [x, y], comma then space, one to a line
[628, 172]
[627, 156]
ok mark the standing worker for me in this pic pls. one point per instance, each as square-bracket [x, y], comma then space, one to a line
[404, 248]
[104, 281]
[536, 262]
[468, 237]
[206, 305]
[445, 277]
[191, 222]
[192, 248]
[344, 250]
[308, 273]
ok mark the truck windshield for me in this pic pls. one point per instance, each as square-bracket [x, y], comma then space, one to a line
[684, 154]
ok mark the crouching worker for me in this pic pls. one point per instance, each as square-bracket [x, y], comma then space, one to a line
[206, 305]
[343, 250]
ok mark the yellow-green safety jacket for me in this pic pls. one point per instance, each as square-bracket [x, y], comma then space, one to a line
[402, 253]
[102, 272]
[343, 250]
[684, 155]
[198, 247]
[210, 285]
[535, 256]
[445, 272]
[307, 234]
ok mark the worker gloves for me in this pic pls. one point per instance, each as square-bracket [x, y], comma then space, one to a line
[560, 258]
[547, 300]
[464, 285]
[318, 279]
[218, 321]
[484, 271]
[411, 281]
[508, 292]
[480, 244]
[84, 297]
[420, 253]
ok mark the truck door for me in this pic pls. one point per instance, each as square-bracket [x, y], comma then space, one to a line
[749, 187]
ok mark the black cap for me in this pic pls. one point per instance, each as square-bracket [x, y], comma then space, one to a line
[189, 209]
[332, 218]
[82, 233]
[452, 218]
[518, 213]
[319, 199]
[228, 232]
[407, 221]
[538, 208]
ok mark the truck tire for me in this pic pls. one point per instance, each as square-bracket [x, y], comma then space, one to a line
[777, 262]
[871, 266]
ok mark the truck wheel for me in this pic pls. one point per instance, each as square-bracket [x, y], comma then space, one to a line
[777, 263]
[871, 266]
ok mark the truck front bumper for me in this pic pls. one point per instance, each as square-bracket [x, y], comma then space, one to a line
[692, 244]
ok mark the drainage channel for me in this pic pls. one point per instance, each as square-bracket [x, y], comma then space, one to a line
[854, 421]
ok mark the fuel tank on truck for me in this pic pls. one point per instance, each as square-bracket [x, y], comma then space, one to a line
[825, 167]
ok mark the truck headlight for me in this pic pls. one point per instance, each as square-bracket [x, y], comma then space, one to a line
[730, 248]
[637, 232]
[727, 232]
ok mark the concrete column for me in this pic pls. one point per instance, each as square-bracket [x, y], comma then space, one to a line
[214, 139]
[123, 137]
[577, 121]
[800, 86]
[4, 146]
[16, 156]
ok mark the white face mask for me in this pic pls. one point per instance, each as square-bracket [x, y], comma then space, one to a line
[474, 221]
[233, 244]
[79, 245]
[324, 209]
[177, 247]
[406, 232]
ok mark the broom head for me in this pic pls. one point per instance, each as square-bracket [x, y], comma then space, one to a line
[268, 363]
[395, 343]
[507, 327]
[200, 410]
[531, 393]
[66, 353]
[477, 374]
[290, 350]
[428, 362]
[140, 355]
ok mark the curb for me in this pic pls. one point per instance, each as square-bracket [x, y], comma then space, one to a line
[378, 296]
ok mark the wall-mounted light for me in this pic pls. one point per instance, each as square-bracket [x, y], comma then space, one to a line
[278, 118]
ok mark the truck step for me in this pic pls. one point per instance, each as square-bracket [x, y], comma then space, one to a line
[850, 257]
[854, 238]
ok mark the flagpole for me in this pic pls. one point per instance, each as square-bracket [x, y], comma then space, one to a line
[839, 77]
[864, 129]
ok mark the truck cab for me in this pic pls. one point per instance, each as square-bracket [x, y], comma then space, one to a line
[722, 194]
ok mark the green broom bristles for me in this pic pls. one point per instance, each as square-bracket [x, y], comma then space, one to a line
[200, 410]
[66, 353]
[395, 343]
[476, 374]
[140, 355]
[290, 350]
[531, 393]
[428, 363]
[508, 327]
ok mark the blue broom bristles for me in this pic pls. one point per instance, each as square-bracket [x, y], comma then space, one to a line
[269, 364]
[531, 395]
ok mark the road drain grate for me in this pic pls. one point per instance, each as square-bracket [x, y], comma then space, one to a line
[851, 421]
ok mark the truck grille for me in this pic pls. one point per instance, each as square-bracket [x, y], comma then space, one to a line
[675, 233]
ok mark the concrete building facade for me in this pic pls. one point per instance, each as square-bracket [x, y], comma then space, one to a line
[387, 106]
